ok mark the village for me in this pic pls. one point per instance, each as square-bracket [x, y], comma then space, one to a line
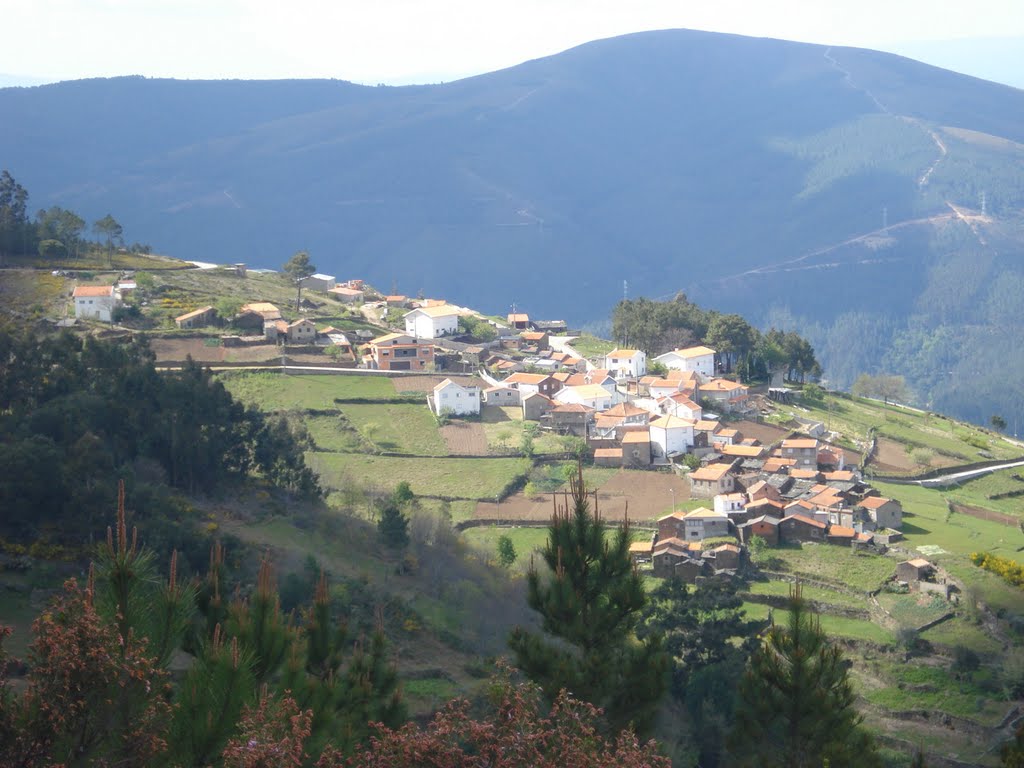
[670, 414]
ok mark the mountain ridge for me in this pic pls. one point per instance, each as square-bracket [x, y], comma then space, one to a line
[667, 159]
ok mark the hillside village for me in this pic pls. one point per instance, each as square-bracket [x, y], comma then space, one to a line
[672, 413]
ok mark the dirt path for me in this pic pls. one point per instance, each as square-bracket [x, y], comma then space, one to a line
[986, 514]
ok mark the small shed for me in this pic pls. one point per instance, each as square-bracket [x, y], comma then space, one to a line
[917, 569]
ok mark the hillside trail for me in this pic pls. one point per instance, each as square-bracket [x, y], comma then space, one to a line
[936, 139]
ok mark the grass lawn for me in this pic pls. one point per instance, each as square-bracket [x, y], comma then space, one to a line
[275, 392]
[976, 492]
[427, 695]
[918, 686]
[399, 427]
[591, 346]
[456, 478]
[32, 292]
[958, 631]
[930, 524]
[855, 416]
[834, 626]
[333, 433]
[525, 540]
[838, 565]
[504, 429]
[826, 596]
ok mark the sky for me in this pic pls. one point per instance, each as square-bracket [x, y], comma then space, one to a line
[405, 41]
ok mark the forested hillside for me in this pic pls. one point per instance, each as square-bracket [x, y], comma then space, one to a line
[867, 201]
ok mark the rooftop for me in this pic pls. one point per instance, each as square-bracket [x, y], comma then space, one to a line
[94, 290]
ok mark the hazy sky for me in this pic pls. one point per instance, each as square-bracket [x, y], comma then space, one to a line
[397, 41]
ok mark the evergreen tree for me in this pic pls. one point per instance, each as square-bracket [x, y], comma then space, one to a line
[393, 525]
[298, 268]
[590, 605]
[506, 551]
[796, 702]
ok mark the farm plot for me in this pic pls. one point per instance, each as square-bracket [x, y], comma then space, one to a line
[465, 438]
[426, 384]
[451, 478]
[645, 495]
[836, 565]
[397, 427]
[276, 392]
[765, 433]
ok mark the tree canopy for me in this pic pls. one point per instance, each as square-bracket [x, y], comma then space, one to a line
[590, 601]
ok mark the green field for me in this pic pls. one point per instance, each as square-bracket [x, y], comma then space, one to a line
[959, 631]
[854, 417]
[918, 686]
[976, 492]
[397, 427]
[504, 428]
[591, 346]
[275, 392]
[525, 540]
[456, 478]
[929, 523]
[333, 433]
[834, 626]
[834, 564]
[915, 609]
[810, 592]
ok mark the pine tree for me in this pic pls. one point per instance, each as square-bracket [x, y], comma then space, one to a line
[590, 605]
[796, 701]
[393, 525]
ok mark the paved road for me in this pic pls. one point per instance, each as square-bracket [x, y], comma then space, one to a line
[956, 477]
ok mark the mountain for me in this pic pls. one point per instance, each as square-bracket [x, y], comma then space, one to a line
[868, 200]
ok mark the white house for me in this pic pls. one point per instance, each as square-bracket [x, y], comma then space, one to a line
[432, 322]
[730, 502]
[664, 387]
[456, 399]
[591, 395]
[318, 282]
[626, 363]
[679, 404]
[96, 302]
[700, 360]
[671, 435]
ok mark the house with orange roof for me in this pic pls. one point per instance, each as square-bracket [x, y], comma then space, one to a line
[197, 318]
[519, 320]
[699, 360]
[800, 528]
[841, 535]
[533, 382]
[570, 419]
[396, 301]
[775, 464]
[636, 448]
[707, 482]
[680, 404]
[608, 457]
[536, 340]
[726, 394]
[884, 513]
[659, 388]
[96, 302]
[803, 450]
[347, 295]
[400, 352]
[591, 395]
[626, 363]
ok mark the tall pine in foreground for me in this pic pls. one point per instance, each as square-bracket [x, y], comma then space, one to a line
[591, 602]
[796, 702]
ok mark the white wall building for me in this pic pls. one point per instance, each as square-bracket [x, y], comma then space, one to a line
[591, 395]
[96, 302]
[626, 363]
[671, 435]
[318, 282]
[432, 322]
[700, 360]
[456, 399]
